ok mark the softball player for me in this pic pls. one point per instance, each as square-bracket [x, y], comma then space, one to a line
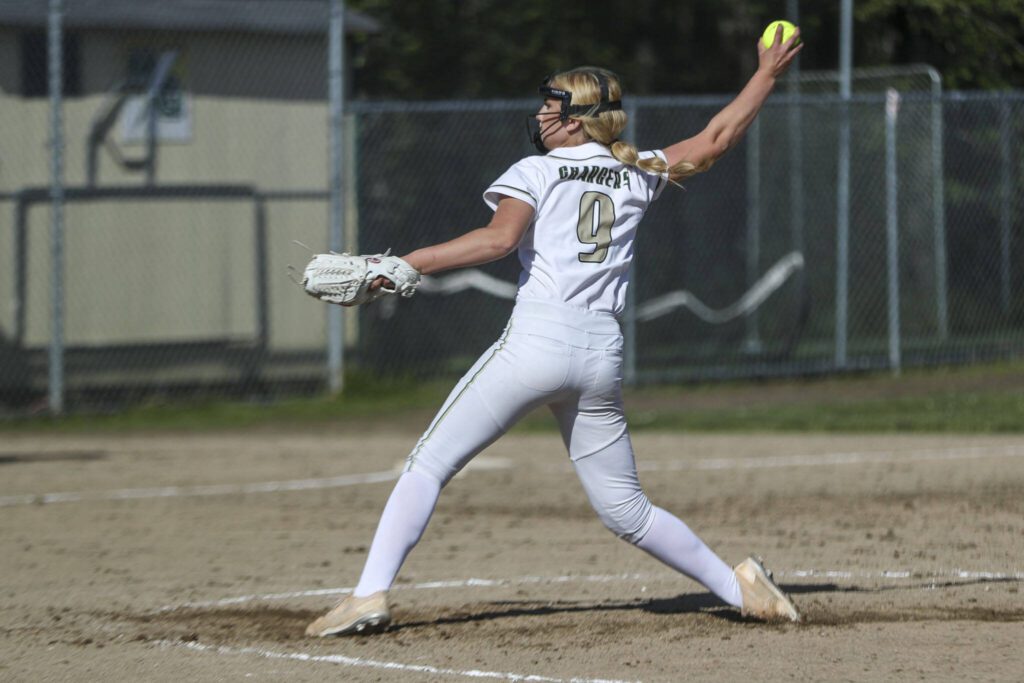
[573, 214]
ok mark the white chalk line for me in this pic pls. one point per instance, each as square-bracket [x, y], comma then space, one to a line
[203, 490]
[479, 464]
[427, 585]
[377, 664]
[758, 462]
[343, 660]
[886, 574]
[828, 459]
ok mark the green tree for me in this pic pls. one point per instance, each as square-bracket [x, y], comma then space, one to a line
[973, 43]
[489, 48]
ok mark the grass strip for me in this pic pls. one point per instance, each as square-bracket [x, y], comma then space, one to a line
[977, 399]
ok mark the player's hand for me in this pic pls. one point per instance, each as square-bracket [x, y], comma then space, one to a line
[374, 286]
[380, 282]
[776, 59]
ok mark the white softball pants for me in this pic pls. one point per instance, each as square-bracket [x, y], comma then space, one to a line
[570, 360]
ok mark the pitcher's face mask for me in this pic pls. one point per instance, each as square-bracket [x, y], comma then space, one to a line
[546, 122]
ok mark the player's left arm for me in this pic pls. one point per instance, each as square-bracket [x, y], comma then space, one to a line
[497, 239]
[727, 127]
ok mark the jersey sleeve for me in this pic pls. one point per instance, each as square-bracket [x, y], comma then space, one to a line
[522, 181]
[655, 182]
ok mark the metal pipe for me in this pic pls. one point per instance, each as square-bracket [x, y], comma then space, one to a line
[56, 75]
[939, 208]
[35, 195]
[1005, 200]
[843, 183]
[892, 108]
[20, 267]
[352, 328]
[152, 121]
[335, 78]
[796, 151]
[260, 262]
[752, 342]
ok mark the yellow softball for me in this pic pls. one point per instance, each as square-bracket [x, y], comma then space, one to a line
[768, 37]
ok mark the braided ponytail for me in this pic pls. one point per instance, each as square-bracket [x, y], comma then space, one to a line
[605, 127]
[628, 154]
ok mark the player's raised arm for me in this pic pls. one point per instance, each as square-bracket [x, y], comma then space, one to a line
[698, 153]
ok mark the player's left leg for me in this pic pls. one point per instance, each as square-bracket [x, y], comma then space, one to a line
[610, 480]
[593, 426]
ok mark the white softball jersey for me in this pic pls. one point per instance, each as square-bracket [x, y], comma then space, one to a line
[563, 345]
[588, 206]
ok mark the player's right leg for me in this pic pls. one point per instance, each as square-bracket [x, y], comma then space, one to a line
[514, 376]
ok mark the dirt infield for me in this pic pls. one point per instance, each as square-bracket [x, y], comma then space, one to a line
[202, 558]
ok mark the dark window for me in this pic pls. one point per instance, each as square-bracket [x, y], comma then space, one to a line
[34, 71]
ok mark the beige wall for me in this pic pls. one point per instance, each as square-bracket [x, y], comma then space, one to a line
[173, 271]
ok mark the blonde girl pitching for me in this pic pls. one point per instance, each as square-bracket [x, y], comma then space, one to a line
[572, 213]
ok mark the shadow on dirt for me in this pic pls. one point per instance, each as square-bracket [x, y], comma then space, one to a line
[262, 623]
[493, 611]
[923, 584]
[65, 456]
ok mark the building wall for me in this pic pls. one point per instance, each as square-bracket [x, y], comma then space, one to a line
[156, 271]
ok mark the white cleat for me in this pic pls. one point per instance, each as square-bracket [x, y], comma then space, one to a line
[354, 616]
[762, 598]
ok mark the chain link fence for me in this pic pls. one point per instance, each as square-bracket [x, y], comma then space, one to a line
[736, 274]
[193, 157]
[193, 149]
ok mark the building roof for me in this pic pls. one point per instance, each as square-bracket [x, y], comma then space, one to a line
[296, 17]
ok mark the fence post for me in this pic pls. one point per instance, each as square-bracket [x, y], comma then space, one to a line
[20, 267]
[752, 342]
[1005, 199]
[892, 108]
[261, 276]
[843, 182]
[351, 241]
[794, 116]
[335, 76]
[796, 160]
[939, 208]
[56, 76]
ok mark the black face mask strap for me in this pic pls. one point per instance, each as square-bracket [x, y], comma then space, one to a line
[567, 109]
[565, 99]
[537, 133]
[563, 96]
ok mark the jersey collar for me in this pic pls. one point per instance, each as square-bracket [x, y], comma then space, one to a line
[588, 150]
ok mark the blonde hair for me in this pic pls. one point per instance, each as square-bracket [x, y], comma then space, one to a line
[604, 127]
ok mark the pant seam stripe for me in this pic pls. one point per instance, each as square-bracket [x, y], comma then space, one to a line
[440, 418]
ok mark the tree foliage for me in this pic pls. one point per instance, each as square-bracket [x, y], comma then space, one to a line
[492, 48]
[973, 43]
